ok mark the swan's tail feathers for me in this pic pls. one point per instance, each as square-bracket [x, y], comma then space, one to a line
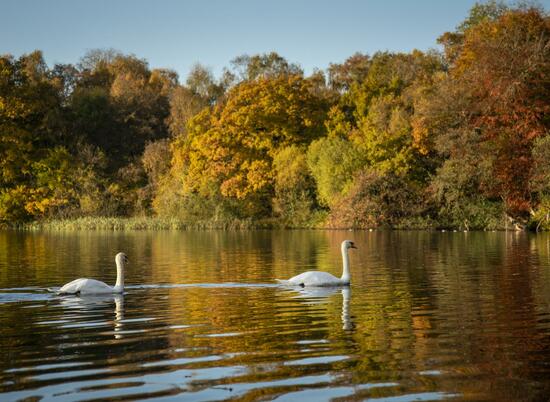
[60, 293]
[290, 283]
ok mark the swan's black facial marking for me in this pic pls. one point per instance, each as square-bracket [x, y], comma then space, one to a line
[352, 245]
[302, 285]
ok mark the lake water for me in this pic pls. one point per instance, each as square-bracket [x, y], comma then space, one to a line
[429, 316]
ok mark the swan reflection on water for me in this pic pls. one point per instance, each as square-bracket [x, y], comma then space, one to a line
[319, 295]
[87, 303]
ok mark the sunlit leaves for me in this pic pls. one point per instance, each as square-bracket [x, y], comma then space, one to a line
[463, 132]
[294, 200]
[503, 65]
[236, 144]
[333, 162]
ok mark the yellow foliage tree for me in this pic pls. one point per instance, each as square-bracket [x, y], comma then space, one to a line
[233, 145]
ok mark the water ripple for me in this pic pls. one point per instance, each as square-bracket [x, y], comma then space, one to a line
[428, 317]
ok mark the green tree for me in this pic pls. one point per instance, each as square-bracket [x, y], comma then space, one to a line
[333, 162]
[294, 201]
[460, 187]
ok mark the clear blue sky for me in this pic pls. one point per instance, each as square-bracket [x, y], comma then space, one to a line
[178, 33]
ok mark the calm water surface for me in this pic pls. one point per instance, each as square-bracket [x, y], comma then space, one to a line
[429, 316]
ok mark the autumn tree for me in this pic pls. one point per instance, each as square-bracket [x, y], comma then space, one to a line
[377, 110]
[32, 181]
[353, 71]
[378, 199]
[294, 201]
[201, 90]
[500, 67]
[120, 105]
[202, 84]
[488, 11]
[459, 138]
[371, 134]
[263, 66]
[540, 182]
[231, 148]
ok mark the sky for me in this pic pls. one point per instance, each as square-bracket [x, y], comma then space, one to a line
[176, 34]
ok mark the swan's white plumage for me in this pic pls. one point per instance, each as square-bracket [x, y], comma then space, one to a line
[92, 286]
[319, 278]
[85, 285]
[314, 278]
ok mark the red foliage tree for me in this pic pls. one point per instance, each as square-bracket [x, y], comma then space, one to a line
[505, 65]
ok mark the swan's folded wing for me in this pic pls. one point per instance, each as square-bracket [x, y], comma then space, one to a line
[85, 286]
[72, 287]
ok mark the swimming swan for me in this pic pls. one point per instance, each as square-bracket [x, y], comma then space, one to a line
[319, 278]
[91, 286]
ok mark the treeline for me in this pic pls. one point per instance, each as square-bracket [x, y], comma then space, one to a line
[457, 139]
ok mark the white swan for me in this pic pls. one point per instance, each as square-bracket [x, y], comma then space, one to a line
[91, 286]
[319, 278]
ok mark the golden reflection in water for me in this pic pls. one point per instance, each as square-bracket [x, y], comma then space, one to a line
[346, 320]
[99, 303]
[470, 306]
[119, 315]
[316, 295]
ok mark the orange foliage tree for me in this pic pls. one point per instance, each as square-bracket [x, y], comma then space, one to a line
[504, 64]
[231, 148]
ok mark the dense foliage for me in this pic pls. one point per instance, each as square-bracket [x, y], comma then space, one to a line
[456, 139]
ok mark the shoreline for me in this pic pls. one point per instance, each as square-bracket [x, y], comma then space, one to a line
[166, 224]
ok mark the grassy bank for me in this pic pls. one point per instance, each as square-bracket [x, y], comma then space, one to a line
[320, 222]
[138, 223]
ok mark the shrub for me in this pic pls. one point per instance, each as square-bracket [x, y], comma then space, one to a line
[376, 199]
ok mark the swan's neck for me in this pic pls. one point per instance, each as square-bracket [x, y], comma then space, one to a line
[119, 275]
[345, 261]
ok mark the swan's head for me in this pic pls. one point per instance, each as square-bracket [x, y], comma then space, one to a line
[346, 244]
[121, 259]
